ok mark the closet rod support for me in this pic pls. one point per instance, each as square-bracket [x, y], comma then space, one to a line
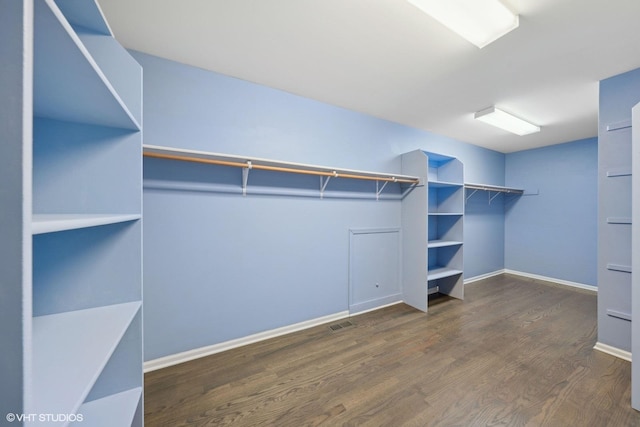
[379, 189]
[324, 182]
[469, 196]
[245, 178]
[491, 198]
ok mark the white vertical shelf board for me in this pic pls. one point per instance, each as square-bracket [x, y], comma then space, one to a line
[115, 410]
[68, 84]
[69, 352]
[635, 258]
[414, 233]
[50, 223]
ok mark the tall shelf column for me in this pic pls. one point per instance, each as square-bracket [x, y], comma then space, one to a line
[614, 235]
[432, 224]
[81, 239]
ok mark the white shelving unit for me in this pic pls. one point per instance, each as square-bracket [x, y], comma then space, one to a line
[432, 221]
[80, 280]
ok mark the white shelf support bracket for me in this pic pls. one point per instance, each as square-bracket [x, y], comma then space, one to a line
[469, 196]
[324, 182]
[379, 189]
[495, 195]
[245, 178]
[409, 189]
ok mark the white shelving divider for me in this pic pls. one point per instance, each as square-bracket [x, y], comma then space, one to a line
[51, 223]
[442, 243]
[442, 272]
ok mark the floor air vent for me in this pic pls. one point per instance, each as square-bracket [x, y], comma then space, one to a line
[340, 325]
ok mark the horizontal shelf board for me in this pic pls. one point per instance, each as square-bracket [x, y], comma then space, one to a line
[619, 314]
[443, 184]
[69, 352]
[442, 272]
[496, 188]
[618, 220]
[256, 162]
[618, 173]
[619, 125]
[51, 223]
[445, 213]
[68, 84]
[619, 267]
[115, 410]
[442, 243]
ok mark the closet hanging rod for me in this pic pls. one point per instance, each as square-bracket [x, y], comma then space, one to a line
[251, 164]
[494, 188]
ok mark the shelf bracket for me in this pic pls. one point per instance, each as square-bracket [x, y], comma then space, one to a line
[469, 196]
[324, 182]
[245, 177]
[379, 189]
[495, 195]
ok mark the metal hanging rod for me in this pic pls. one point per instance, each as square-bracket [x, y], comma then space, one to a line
[490, 189]
[252, 163]
[494, 188]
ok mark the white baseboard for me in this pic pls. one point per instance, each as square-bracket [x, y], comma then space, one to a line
[374, 304]
[185, 356]
[483, 276]
[355, 313]
[613, 351]
[553, 280]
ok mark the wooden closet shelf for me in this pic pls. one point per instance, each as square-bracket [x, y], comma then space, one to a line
[271, 165]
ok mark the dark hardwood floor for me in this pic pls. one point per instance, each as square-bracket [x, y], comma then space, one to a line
[515, 352]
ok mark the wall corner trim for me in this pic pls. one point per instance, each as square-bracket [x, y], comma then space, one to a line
[613, 351]
[196, 353]
[553, 280]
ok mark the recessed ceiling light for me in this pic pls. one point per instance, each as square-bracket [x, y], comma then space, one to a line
[506, 121]
[478, 21]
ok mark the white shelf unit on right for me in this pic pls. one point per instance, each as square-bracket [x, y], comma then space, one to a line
[433, 225]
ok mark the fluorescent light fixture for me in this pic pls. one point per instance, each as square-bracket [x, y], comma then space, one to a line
[478, 21]
[506, 121]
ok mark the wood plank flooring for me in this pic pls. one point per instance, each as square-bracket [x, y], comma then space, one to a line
[515, 352]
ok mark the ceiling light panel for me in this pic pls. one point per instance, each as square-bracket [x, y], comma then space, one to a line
[506, 121]
[478, 21]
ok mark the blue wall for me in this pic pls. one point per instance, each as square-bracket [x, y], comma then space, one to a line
[554, 233]
[221, 266]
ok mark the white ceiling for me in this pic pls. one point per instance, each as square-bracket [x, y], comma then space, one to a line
[387, 59]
